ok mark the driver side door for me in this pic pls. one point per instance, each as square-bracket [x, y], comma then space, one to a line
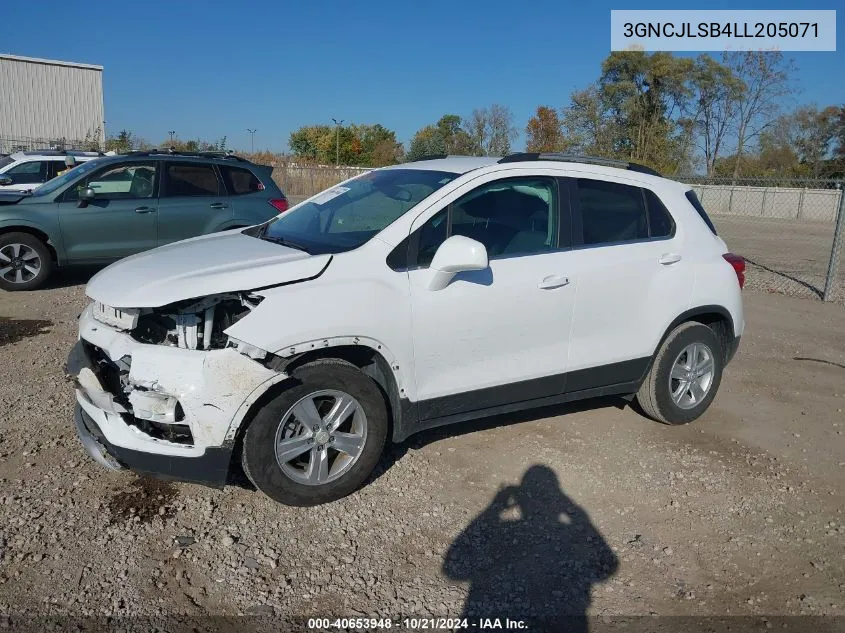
[496, 336]
[122, 218]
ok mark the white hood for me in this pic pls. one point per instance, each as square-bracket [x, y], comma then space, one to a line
[201, 266]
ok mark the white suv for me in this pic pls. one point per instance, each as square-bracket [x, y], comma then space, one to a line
[28, 170]
[409, 297]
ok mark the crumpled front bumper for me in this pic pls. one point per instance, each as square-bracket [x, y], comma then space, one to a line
[214, 390]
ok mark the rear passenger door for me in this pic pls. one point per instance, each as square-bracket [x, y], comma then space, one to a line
[630, 277]
[192, 201]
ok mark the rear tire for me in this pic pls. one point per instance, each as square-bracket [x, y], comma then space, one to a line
[685, 375]
[25, 262]
[298, 450]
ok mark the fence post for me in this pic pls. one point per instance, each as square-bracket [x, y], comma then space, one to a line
[833, 265]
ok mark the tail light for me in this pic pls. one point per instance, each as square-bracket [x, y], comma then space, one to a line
[281, 204]
[738, 264]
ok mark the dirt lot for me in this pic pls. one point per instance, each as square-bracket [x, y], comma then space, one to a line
[784, 256]
[587, 508]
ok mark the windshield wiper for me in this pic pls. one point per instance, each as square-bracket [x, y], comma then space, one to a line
[285, 242]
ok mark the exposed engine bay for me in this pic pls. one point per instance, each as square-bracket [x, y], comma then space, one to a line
[198, 323]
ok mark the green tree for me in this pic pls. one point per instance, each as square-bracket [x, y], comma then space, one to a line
[124, 142]
[447, 136]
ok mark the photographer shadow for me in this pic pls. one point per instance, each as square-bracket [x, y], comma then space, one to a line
[531, 554]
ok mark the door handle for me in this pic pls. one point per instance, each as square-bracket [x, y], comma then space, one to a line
[669, 258]
[218, 205]
[553, 281]
[144, 209]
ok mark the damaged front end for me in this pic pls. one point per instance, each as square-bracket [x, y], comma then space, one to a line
[168, 381]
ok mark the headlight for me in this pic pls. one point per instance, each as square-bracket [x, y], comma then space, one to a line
[122, 319]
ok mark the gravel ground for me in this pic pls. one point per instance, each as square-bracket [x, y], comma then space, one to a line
[579, 509]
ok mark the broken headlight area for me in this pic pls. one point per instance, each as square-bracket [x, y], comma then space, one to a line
[155, 414]
[197, 323]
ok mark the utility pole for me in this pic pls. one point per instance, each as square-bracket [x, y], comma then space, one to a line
[172, 133]
[337, 141]
[251, 139]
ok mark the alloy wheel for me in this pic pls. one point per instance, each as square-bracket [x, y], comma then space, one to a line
[321, 437]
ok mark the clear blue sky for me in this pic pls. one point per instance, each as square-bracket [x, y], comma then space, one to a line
[216, 68]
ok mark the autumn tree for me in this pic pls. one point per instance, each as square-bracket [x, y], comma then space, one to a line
[543, 132]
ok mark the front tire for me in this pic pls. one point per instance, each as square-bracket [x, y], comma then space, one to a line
[685, 375]
[318, 440]
[25, 262]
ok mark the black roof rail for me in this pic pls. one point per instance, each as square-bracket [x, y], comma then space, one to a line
[172, 151]
[577, 158]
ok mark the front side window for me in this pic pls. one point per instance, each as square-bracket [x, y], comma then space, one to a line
[29, 173]
[123, 181]
[345, 217]
[67, 177]
[190, 179]
[511, 217]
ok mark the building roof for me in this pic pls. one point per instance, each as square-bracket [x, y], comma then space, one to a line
[50, 62]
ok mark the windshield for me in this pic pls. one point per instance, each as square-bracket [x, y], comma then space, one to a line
[345, 217]
[60, 181]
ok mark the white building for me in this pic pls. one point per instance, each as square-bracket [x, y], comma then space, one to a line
[47, 103]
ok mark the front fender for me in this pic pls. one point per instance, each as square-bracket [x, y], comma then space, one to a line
[48, 228]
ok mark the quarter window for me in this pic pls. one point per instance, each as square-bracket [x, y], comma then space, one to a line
[660, 223]
[240, 181]
[191, 180]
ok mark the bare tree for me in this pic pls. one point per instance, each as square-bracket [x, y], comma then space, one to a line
[491, 130]
[717, 92]
[766, 80]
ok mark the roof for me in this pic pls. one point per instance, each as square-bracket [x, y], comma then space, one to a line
[454, 164]
[50, 62]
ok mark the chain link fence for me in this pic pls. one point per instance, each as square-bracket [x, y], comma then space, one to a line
[788, 231]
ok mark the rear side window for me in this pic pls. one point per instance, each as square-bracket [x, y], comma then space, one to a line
[191, 179]
[660, 223]
[239, 181]
[611, 212]
[695, 202]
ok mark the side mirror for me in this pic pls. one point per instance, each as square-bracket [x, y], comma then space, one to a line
[86, 195]
[456, 255]
[6, 180]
